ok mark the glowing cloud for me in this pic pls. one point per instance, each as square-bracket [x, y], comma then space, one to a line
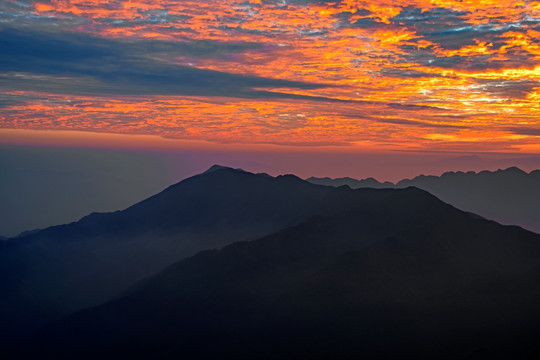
[400, 74]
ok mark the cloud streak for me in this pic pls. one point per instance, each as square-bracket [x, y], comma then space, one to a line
[83, 64]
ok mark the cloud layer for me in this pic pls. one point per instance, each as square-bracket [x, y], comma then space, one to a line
[389, 74]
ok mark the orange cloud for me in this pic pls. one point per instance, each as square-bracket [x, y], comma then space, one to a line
[407, 74]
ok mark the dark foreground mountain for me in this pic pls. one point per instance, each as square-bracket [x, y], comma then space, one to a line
[400, 274]
[509, 196]
[48, 274]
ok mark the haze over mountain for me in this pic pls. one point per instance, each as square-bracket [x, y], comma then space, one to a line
[65, 180]
[49, 273]
[509, 196]
[383, 274]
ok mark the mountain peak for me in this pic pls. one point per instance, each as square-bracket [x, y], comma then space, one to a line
[513, 170]
[289, 177]
[217, 167]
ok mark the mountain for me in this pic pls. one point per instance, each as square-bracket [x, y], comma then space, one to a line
[386, 274]
[353, 183]
[48, 274]
[509, 196]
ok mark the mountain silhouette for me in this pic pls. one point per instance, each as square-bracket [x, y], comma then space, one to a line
[509, 196]
[397, 274]
[353, 183]
[48, 274]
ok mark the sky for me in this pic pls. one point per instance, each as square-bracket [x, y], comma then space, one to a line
[388, 75]
[105, 102]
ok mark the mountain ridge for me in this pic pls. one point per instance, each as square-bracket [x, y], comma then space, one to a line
[233, 259]
[509, 196]
[329, 180]
[205, 211]
[405, 275]
[50, 273]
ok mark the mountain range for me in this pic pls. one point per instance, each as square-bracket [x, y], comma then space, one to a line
[509, 196]
[234, 264]
[49, 273]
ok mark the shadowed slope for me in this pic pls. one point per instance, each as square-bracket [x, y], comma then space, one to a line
[50, 273]
[400, 273]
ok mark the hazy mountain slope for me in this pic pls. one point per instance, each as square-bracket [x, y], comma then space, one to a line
[508, 196]
[53, 272]
[400, 274]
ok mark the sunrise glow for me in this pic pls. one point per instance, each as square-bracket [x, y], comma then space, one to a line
[389, 75]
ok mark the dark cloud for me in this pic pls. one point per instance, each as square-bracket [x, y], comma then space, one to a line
[407, 73]
[284, 3]
[400, 121]
[482, 62]
[525, 131]
[403, 121]
[240, 29]
[515, 58]
[449, 30]
[512, 89]
[410, 106]
[8, 100]
[7, 103]
[430, 21]
[69, 45]
[366, 22]
[82, 64]
[154, 16]
[425, 23]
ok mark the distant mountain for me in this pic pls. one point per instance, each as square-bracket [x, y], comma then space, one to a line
[353, 183]
[509, 196]
[399, 274]
[48, 274]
